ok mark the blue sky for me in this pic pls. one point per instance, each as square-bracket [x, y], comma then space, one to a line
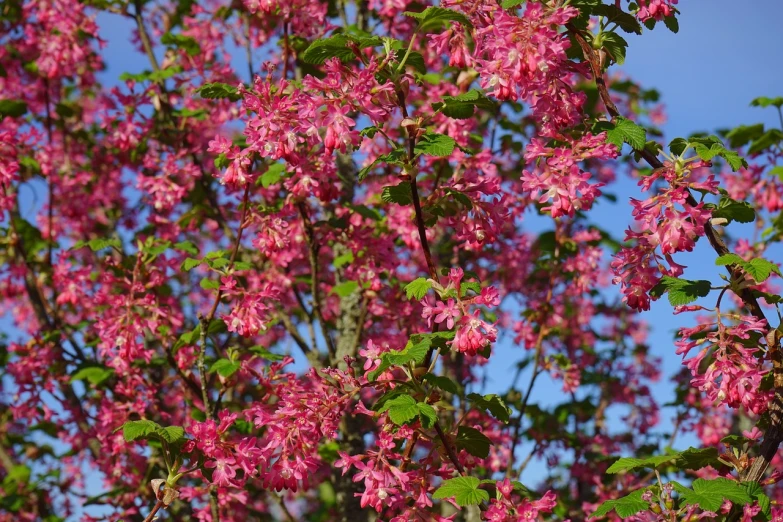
[726, 53]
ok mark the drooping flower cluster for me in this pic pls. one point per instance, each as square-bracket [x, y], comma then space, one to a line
[727, 366]
[668, 223]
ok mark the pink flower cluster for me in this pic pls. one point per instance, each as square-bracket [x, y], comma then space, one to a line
[728, 367]
[669, 224]
[559, 181]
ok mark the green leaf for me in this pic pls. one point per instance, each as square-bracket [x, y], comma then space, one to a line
[681, 291]
[764, 101]
[400, 194]
[395, 157]
[760, 269]
[678, 145]
[464, 490]
[442, 382]
[730, 259]
[345, 288]
[616, 46]
[95, 375]
[462, 106]
[492, 403]
[333, 47]
[187, 246]
[624, 131]
[427, 415]
[260, 351]
[630, 463]
[710, 494]
[418, 288]
[626, 21]
[672, 24]
[433, 144]
[626, 506]
[756, 492]
[140, 429]
[739, 211]
[435, 17]
[170, 434]
[225, 367]
[508, 4]
[209, 284]
[12, 108]
[186, 43]
[402, 409]
[272, 175]
[691, 458]
[473, 441]
[744, 134]
[343, 259]
[765, 141]
[190, 263]
[99, 244]
[697, 458]
[218, 90]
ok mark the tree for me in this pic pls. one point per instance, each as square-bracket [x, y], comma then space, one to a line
[270, 294]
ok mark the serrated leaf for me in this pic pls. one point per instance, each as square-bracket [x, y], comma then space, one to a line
[418, 288]
[186, 43]
[710, 494]
[435, 17]
[731, 210]
[427, 415]
[209, 284]
[95, 375]
[140, 429]
[681, 291]
[402, 409]
[765, 141]
[626, 21]
[12, 108]
[187, 246]
[492, 403]
[170, 434]
[764, 101]
[433, 144]
[345, 288]
[616, 46]
[218, 90]
[400, 194]
[757, 493]
[473, 441]
[225, 367]
[343, 260]
[260, 351]
[99, 244]
[626, 506]
[630, 463]
[625, 131]
[678, 145]
[272, 175]
[190, 263]
[729, 259]
[442, 382]
[672, 24]
[744, 134]
[464, 490]
[760, 269]
[333, 47]
[697, 458]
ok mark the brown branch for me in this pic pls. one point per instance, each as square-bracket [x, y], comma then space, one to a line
[312, 254]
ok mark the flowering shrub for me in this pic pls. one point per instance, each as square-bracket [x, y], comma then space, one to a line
[274, 293]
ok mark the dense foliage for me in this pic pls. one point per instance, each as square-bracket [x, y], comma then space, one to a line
[271, 291]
